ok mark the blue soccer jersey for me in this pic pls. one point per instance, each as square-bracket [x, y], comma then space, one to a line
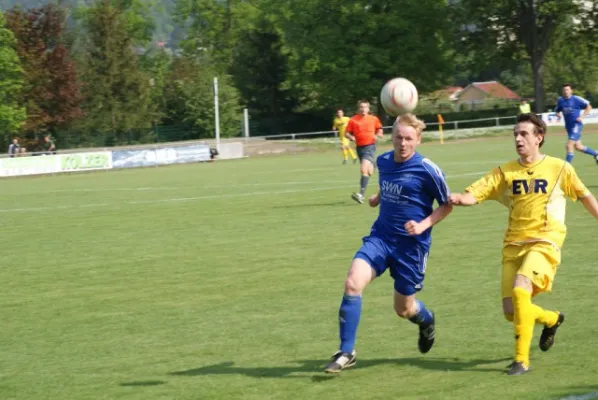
[571, 108]
[407, 192]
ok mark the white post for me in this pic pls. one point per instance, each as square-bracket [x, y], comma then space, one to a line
[246, 122]
[216, 114]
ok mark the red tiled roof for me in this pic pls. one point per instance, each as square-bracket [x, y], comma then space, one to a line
[496, 90]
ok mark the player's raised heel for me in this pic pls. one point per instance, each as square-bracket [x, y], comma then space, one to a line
[596, 159]
[548, 334]
[517, 368]
[358, 197]
[427, 334]
[341, 361]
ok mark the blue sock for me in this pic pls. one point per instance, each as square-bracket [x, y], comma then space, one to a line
[423, 316]
[589, 151]
[348, 320]
[569, 157]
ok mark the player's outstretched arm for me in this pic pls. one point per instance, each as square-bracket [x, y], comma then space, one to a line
[590, 203]
[462, 199]
[417, 228]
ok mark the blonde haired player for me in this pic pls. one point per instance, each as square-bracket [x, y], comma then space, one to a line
[339, 124]
[534, 188]
[399, 240]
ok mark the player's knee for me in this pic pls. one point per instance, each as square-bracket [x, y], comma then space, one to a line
[353, 287]
[403, 311]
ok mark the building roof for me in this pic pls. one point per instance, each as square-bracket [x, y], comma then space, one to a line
[495, 89]
[452, 89]
[446, 92]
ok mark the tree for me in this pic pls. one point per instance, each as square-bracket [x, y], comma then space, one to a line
[500, 30]
[573, 57]
[12, 115]
[117, 94]
[189, 100]
[519, 78]
[156, 64]
[52, 91]
[260, 71]
[210, 29]
[344, 50]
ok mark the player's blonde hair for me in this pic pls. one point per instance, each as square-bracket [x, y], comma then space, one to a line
[410, 120]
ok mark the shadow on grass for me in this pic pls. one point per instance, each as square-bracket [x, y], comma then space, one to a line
[579, 392]
[143, 383]
[316, 366]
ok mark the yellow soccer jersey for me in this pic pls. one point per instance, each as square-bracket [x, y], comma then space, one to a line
[340, 124]
[536, 196]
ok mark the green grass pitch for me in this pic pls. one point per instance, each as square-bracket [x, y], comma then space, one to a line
[223, 281]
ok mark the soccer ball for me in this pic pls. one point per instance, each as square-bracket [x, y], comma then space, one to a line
[398, 96]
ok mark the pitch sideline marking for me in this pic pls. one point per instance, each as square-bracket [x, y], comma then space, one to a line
[183, 199]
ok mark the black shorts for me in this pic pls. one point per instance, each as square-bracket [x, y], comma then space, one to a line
[367, 153]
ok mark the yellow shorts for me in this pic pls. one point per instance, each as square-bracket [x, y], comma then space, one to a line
[538, 261]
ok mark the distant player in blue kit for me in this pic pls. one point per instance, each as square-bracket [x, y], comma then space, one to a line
[574, 109]
[400, 238]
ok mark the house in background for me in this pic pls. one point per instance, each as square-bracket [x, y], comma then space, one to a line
[446, 93]
[482, 93]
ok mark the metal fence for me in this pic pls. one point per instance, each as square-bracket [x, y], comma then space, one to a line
[460, 128]
[463, 125]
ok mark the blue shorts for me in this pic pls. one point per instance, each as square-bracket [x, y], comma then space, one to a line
[574, 132]
[406, 260]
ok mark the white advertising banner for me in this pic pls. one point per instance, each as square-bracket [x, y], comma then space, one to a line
[29, 165]
[50, 164]
[552, 118]
[85, 161]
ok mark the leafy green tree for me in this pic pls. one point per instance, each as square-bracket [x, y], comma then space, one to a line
[156, 63]
[117, 90]
[260, 70]
[500, 30]
[210, 31]
[52, 89]
[573, 57]
[341, 51]
[12, 114]
[189, 98]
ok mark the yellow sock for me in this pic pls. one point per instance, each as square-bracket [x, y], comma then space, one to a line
[524, 320]
[545, 317]
[353, 155]
[345, 154]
